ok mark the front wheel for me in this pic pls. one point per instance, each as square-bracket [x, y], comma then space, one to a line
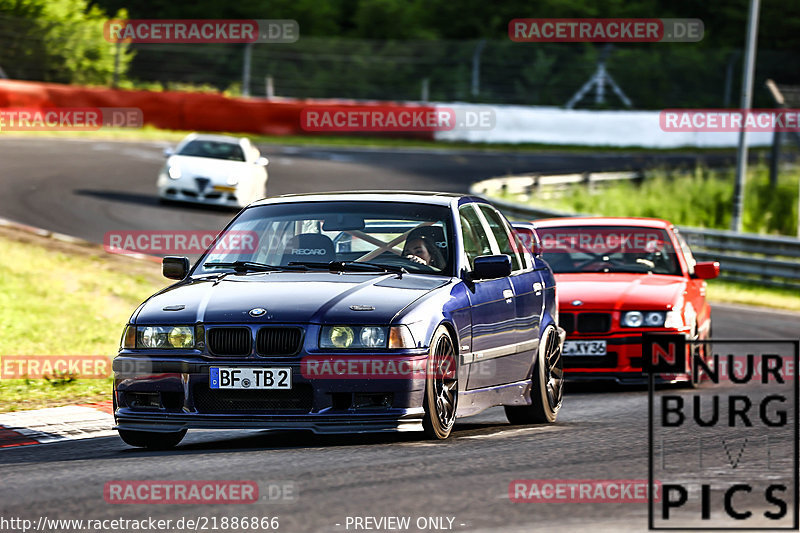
[547, 385]
[151, 439]
[441, 387]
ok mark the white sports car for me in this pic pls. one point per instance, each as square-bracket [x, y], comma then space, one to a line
[215, 170]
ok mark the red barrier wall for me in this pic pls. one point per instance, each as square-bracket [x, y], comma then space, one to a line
[188, 111]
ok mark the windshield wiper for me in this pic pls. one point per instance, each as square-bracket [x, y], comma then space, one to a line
[249, 266]
[352, 266]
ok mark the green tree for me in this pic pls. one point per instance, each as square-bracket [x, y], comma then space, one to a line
[58, 41]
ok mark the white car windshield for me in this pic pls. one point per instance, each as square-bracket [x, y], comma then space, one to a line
[213, 149]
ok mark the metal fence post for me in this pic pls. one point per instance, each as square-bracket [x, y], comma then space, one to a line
[248, 54]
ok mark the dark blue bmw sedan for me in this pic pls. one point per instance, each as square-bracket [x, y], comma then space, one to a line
[345, 312]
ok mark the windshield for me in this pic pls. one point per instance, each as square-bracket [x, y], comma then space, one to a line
[573, 249]
[415, 237]
[213, 149]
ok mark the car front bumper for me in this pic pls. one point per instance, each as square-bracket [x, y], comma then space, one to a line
[169, 395]
[622, 364]
[228, 199]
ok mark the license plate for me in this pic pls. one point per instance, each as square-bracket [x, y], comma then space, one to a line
[250, 378]
[584, 347]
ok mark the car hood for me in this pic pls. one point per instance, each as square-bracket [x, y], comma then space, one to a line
[207, 167]
[288, 297]
[619, 291]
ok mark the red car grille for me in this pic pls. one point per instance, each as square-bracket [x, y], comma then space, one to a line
[586, 322]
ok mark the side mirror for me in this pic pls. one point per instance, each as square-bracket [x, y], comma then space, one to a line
[175, 267]
[168, 152]
[527, 234]
[706, 269]
[262, 161]
[491, 267]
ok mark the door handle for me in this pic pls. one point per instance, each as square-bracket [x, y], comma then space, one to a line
[508, 294]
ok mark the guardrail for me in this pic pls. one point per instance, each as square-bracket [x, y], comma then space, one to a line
[744, 257]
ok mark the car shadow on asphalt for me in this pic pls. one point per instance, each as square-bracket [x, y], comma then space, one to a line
[152, 200]
[599, 387]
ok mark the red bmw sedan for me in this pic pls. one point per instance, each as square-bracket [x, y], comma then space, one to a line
[618, 278]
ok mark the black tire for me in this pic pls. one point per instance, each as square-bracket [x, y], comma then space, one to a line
[547, 390]
[151, 439]
[441, 387]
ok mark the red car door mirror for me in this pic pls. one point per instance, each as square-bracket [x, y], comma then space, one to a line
[706, 269]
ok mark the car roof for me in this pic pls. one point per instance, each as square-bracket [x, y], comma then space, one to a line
[639, 222]
[416, 197]
[216, 138]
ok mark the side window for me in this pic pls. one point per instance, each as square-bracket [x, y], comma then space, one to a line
[476, 242]
[687, 253]
[502, 235]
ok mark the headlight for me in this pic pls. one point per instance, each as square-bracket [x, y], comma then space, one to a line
[365, 337]
[372, 337]
[174, 172]
[647, 319]
[233, 180]
[337, 337]
[164, 337]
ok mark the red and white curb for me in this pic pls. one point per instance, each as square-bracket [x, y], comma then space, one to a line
[6, 223]
[56, 424]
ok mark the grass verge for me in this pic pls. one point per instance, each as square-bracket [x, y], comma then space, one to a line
[701, 199]
[756, 295]
[59, 298]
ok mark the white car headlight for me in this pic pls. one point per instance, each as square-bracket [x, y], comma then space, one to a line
[654, 319]
[233, 180]
[174, 172]
[373, 337]
[643, 319]
[632, 319]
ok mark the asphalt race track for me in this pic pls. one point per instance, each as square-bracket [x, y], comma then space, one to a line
[85, 188]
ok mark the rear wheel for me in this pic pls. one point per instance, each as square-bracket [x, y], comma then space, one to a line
[441, 387]
[152, 439]
[547, 381]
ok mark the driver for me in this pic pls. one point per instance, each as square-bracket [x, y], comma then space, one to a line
[421, 250]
